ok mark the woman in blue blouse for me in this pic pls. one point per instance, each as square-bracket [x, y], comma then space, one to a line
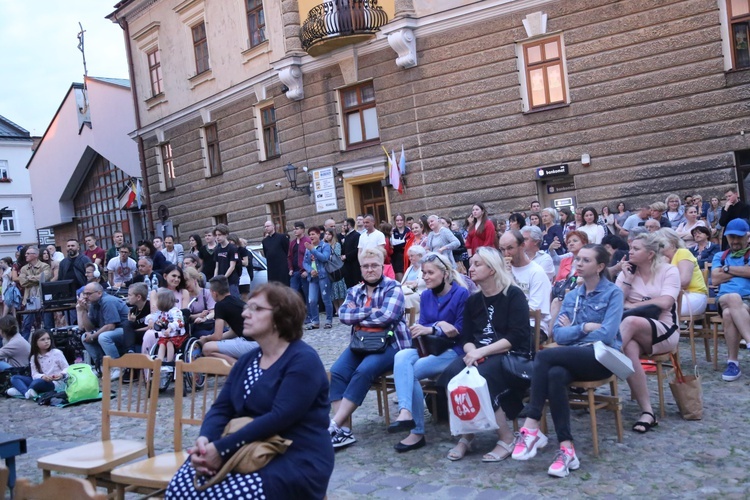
[375, 305]
[441, 314]
[283, 386]
[590, 312]
[317, 253]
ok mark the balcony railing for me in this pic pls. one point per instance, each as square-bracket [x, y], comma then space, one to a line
[341, 18]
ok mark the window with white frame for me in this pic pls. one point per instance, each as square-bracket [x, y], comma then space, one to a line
[166, 167]
[738, 13]
[4, 174]
[359, 113]
[9, 224]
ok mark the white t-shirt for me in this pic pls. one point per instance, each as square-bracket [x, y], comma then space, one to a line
[123, 271]
[595, 232]
[371, 240]
[536, 286]
[545, 262]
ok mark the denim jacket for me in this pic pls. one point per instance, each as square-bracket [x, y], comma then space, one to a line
[604, 305]
[322, 253]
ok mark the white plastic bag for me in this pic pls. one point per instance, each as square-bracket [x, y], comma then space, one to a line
[469, 403]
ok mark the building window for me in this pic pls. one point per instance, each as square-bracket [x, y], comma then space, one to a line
[167, 167]
[8, 224]
[360, 116]
[213, 155]
[739, 32]
[270, 135]
[220, 219]
[97, 204]
[256, 22]
[4, 175]
[545, 79]
[200, 46]
[154, 70]
[278, 216]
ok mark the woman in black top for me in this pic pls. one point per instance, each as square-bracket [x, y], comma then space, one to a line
[398, 243]
[496, 321]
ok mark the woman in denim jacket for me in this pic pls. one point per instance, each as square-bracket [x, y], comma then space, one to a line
[589, 313]
[317, 254]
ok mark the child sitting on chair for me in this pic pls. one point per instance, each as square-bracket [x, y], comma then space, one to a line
[48, 369]
[169, 325]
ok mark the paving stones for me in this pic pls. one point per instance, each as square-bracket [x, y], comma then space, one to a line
[678, 459]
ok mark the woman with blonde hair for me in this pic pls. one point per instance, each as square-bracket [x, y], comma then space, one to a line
[649, 325]
[496, 322]
[695, 292]
[412, 283]
[675, 211]
[441, 239]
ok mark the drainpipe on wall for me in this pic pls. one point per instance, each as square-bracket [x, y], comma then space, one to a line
[141, 154]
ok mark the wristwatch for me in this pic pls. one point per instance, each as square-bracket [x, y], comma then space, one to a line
[725, 269]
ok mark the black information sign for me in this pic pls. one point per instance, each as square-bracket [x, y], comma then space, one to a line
[556, 171]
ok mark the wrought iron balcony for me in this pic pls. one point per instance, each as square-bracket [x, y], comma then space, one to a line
[336, 23]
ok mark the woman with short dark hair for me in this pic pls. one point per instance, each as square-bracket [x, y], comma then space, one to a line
[289, 389]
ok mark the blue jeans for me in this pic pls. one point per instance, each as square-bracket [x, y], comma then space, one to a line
[27, 322]
[408, 370]
[297, 282]
[234, 291]
[48, 320]
[107, 344]
[322, 287]
[353, 374]
[23, 383]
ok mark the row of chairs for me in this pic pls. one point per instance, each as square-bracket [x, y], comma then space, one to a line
[106, 462]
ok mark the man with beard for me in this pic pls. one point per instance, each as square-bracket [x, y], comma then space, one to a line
[73, 267]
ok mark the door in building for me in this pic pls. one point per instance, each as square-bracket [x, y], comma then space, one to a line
[372, 201]
[743, 173]
[558, 193]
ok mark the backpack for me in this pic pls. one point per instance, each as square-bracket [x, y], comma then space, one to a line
[12, 296]
[82, 383]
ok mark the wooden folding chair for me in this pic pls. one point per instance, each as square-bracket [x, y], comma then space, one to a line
[56, 488]
[594, 402]
[536, 315]
[156, 472]
[137, 400]
[691, 332]
[660, 360]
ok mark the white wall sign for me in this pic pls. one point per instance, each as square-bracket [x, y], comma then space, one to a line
[324, 189]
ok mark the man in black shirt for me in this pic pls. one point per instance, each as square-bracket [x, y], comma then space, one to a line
[276, 248]
[147, 275]
[206, 253]
[229, 345]
[734, 208]
[73, 267]
[227, 258]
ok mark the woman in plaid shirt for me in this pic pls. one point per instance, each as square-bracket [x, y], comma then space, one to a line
[377, 303]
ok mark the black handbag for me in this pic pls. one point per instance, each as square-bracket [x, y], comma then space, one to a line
[518, 365]
[432, 345]
[651, 311]
[560, 288]
[364, 342]
[334, 267]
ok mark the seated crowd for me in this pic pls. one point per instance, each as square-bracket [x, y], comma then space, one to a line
[616, 277]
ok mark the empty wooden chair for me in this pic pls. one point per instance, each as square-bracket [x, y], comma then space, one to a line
[137, 400]
[57, 488]
[156, 472]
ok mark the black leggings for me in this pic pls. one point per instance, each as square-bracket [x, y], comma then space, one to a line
[554, 370]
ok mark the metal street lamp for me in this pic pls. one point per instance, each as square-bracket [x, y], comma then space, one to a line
[290, 171]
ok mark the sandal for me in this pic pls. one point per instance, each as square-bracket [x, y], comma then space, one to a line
[496, 457]
[456, 453]
[642, 427]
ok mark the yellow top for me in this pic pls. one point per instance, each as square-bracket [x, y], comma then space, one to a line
[696, 285]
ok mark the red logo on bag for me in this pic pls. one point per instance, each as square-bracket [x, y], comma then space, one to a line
[465, 402]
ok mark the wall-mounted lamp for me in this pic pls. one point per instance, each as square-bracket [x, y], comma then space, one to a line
[339, 175]
[290, 171]
[585, 160]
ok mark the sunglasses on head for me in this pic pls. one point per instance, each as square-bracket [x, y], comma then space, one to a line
[434, 257]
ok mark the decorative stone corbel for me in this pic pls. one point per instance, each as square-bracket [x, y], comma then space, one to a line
[535, 24]
[291, 76]
[404, 43]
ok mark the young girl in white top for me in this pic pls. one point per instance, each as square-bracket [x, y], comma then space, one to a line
[48, 369]
[168, 325]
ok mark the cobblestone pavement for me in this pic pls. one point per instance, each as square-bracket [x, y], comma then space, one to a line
[678, 459]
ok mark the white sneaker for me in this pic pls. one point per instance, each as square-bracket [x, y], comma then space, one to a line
[527, 444]
[114, 374]
[564, 463]
[30, 394]
[13, 392]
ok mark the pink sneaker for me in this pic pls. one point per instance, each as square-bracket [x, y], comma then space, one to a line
[527, 443]
[565, 461]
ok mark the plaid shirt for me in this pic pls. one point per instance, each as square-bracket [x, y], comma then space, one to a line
[385, 310]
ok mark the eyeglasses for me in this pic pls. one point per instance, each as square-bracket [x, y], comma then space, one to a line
[255, 308]
[370, 267]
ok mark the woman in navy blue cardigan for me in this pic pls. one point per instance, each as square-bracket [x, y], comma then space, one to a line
[283, 386]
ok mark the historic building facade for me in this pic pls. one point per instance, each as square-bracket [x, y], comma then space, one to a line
[504, 101]
[17, 217]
